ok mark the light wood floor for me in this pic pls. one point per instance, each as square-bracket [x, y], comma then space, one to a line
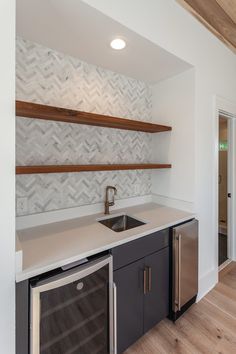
[208, 327]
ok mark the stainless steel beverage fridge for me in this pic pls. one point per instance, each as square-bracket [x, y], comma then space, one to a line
[74, 311]
[184, 267]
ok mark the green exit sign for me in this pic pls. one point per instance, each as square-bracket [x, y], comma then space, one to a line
[223, 146]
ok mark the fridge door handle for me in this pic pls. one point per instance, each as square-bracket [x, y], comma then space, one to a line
[71, 275]
[179, 272]
[114, 319]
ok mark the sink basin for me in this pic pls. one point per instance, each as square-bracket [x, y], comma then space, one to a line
[121, 223]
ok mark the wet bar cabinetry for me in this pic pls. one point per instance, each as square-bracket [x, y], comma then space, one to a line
[141, 275]
[77, 314]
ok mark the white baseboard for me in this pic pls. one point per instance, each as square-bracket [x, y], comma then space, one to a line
[207, 283]
[24, 222]
[173, 203]
[225, 264]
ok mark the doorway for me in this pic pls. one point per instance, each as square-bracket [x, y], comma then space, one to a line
[225, 223]
[223, 190]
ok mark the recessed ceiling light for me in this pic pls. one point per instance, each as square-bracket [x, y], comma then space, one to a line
[118, 44]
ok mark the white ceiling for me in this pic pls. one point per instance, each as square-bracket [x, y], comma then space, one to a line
[75, 28]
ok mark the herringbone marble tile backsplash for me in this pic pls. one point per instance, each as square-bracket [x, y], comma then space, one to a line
[49, 77]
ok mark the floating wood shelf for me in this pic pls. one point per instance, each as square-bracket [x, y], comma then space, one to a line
[22, 170]
[40, 111]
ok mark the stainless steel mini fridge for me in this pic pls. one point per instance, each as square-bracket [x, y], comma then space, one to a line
[73, 312]
[184, 267]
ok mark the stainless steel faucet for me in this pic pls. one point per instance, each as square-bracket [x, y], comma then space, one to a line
[107, 202]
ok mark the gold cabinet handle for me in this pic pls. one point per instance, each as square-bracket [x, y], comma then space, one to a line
[149, 278]
[145, 281]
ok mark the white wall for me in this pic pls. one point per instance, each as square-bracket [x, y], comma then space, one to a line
[7, 185]
[173, 104]
[167, 24]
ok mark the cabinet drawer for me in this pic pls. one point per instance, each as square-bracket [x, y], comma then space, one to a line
[134, 250]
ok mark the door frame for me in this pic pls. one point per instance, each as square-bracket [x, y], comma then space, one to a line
[227, 109]
[229, 167]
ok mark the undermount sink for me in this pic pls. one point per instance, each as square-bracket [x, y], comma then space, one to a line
[121, 223]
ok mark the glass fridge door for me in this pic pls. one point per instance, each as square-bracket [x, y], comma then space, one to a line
[71, 311]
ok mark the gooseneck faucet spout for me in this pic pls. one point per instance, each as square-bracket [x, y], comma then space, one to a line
[107, 202]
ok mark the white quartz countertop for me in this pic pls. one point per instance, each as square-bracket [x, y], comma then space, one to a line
[54, 245]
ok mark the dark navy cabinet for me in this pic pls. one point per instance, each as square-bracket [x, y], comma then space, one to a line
[129, 282]
[156, 301]
[142, 278]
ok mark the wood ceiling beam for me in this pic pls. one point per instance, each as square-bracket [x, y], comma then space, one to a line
[217, 15]
[229, 6]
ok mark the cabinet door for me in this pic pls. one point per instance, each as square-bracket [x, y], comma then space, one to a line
[129, 282]
[156, 299]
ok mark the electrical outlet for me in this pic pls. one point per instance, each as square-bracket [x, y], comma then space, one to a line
[137, 189]
[22, 205]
